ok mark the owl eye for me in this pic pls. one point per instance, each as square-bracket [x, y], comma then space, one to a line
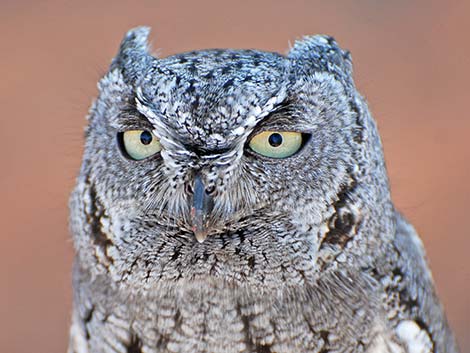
[139, 144]
[276, 144]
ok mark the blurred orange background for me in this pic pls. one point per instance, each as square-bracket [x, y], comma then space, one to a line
[411, 62]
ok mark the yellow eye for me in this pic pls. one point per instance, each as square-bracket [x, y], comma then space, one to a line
[140, 144]
[276, 144]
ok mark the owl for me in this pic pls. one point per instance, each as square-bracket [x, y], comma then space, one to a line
[237, 201]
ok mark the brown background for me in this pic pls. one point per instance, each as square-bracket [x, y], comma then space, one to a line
[411, 62]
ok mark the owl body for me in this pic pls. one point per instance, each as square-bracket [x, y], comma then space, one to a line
[237, 201]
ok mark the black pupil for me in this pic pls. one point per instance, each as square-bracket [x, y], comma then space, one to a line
[275, 140]
[145, 137]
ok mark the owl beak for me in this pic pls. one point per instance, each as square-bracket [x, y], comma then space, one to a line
[201, 208]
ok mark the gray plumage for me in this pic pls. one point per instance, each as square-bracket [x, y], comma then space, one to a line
[298, 254]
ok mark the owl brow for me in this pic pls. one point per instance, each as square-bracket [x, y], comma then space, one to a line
[284, 114]
[130, 118]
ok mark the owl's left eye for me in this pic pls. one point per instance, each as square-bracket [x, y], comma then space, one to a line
[139, 144]
[276, 144]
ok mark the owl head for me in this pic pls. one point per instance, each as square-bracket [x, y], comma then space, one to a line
[238, 163]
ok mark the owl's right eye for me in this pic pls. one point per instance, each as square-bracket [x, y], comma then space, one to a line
[139, 144]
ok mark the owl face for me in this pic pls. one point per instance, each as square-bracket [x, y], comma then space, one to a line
[222, 153]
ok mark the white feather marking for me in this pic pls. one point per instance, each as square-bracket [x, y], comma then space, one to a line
[384, 344]
[238, 131]
[415, 338]
[78, 343]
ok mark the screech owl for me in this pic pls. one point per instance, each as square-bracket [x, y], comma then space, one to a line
[237, 201]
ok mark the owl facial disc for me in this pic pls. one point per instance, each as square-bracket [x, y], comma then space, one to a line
[202, 203]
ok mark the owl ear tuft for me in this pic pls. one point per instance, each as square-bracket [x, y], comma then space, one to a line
[133, 57]
[321, 53]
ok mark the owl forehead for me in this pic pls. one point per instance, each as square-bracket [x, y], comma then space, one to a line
[211, 98]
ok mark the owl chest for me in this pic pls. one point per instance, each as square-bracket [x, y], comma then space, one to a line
[217, 317]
